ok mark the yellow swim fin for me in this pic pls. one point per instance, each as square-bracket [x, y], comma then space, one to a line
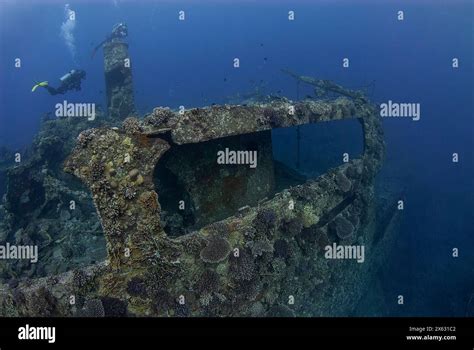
[43, 83]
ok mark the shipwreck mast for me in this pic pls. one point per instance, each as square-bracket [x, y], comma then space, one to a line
[298, 132]
[118, 80]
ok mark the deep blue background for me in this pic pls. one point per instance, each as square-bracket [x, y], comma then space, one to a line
[185, 63]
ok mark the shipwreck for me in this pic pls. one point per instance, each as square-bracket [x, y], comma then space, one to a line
[249, 249]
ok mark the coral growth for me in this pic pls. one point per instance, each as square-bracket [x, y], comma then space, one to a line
[260, 246]
[149, 200]
[265, 220]
[242, 267]
[97, 170]
[85, 137]
[208, 282]
[131, 126]
[42, 303]
[217, 250]
[79, 279]
[160, 117]
[308, 217]
[129, 192]
[273, 117]
[92, 308]
[292, 228]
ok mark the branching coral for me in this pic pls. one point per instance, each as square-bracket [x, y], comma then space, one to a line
[85, 137]
[113, 210]
[250, 232]
[131, 125]
[115, 231]
[242, 267]
[79, 279]
[208, 282]
[249, 290]
[129, 192]
[96, 170]
[260, 246]
[265, 220]
[92, 308]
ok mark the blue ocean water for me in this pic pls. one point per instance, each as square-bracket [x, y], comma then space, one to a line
[189, 63]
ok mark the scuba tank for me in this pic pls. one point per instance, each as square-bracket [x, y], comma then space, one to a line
[67, 75]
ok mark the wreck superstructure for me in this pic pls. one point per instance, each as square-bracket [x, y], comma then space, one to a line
[256, 254]
[118, 79]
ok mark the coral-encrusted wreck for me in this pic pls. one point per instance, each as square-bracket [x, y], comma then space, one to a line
[266, 259]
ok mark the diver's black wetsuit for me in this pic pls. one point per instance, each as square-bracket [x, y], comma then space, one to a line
[71, 82]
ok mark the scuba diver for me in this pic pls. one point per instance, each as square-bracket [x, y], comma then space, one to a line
[119, 31]
[69, 81]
